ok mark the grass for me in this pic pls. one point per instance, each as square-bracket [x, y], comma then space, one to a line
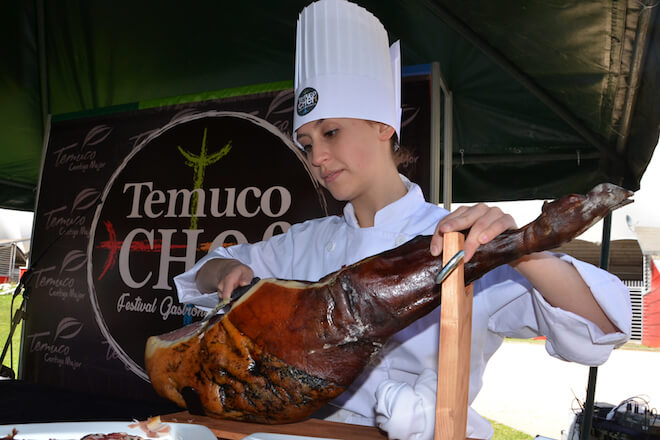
[5, 318]
[503, 432]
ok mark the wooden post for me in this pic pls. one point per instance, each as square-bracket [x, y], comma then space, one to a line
[454, 348]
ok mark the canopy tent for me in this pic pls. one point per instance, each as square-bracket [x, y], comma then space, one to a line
[548, 97]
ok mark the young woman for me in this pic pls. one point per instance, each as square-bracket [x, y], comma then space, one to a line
[583, 312]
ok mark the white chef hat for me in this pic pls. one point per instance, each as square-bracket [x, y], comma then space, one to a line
[345, 67]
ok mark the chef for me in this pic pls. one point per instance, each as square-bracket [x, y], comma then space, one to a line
[347, 120]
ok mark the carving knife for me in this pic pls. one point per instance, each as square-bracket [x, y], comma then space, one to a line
[237, 293]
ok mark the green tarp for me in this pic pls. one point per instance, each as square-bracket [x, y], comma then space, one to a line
[550, 97]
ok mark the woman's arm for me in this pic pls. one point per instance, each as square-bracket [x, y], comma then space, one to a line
[558, 281]
[562, 286]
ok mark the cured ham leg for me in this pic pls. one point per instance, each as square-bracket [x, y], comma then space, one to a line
[287, 347]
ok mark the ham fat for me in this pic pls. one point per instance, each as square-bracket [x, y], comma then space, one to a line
[287, 347]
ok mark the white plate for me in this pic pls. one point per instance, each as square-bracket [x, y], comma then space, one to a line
[267, 436]
[77, 430]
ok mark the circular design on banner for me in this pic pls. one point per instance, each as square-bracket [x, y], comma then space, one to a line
[201, 181]
[307, 100]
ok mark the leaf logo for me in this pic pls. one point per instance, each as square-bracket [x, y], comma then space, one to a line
[73, 260]
[97, 135]
[408, 115]
[68, 328]
[142, 136]
[184, 114]
[85, 198]
[280, 99]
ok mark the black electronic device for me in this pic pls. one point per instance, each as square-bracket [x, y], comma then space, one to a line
[632, 419]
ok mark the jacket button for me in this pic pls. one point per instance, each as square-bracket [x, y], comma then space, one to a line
[330, 246]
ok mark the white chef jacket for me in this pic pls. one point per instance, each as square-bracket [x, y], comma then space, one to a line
[397, 391]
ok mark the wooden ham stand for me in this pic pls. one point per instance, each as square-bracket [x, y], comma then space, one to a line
[453, 380]
[451, 403]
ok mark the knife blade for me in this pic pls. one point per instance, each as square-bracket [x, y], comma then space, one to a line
[449, 267]
[237, 293]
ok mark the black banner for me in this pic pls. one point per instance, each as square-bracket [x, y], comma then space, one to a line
[129, 200]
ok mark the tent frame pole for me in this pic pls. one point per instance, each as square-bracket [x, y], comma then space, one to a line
[439, 84]
[448, 179]
[434, 184]
[43, 64]
[588, 411]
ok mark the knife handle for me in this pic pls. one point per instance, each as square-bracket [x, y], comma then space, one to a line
[241, 290]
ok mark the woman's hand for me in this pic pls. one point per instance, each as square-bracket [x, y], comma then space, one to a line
[485, 223]
[223, 276]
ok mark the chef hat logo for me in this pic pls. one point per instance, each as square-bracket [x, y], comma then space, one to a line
[307, 100]
[345, 67]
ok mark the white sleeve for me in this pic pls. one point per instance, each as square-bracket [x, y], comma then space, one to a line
[520, 311]
[267, 259]
[186, 285]
[574, 338]
[407, 412]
